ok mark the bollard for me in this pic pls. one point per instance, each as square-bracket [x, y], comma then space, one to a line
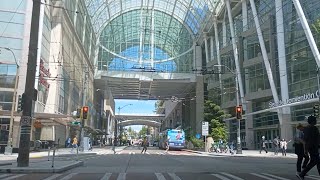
[53, 155]
[49, 153]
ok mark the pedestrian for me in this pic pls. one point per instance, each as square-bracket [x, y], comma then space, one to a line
[144, 145]
[114, 146]
[68, 142]
[263, 145]
[167, 145]
[311, 139]
[284, 146]
[299, 149]
[276, 144]
[74, 143]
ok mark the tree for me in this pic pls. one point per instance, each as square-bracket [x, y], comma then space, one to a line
[215, 116]
[143, 131]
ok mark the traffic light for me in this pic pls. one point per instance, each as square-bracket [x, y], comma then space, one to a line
[78, 115]
[316, 110]
[21, 100]
[85, 110]
[239, 112]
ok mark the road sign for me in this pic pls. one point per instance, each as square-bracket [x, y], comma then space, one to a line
[205, 128]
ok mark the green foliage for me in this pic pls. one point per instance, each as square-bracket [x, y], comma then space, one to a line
[143, 131]
[197, 143]
[215, 116]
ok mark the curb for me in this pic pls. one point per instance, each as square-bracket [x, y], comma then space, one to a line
[5, 164]
[44, 170]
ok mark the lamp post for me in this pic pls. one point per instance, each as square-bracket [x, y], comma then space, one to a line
[116, 127]
[8, 148]
[239, 148]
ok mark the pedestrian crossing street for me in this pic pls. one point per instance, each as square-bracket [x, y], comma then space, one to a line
[153, 176]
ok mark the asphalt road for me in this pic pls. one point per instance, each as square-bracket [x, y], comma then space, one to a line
[130, 164]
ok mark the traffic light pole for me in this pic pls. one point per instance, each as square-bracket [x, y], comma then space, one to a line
[26, 119]
[239, 148]
[82, 119]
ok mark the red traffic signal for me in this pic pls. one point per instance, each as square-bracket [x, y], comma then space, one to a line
[239, 112]
[85, 110]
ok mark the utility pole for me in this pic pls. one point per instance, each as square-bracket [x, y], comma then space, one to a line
[26, 119]
[84, 96]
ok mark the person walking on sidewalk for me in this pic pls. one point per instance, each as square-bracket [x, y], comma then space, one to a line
[276, 144]
[284, 146]
[263, 145]
[311, 139]
[74, 143]
[167, 146]
[299, 149]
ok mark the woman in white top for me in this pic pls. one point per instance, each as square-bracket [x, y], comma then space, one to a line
[284, 146]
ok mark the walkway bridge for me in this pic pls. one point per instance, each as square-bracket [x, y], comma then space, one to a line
[154, 120]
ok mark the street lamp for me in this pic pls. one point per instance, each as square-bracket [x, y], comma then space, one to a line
[116, 127]
[239, 149]
[119, 108]
[8, 148]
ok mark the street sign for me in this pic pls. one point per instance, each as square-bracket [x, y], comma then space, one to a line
[205, 128]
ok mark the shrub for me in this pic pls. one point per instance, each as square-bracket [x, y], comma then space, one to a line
[197, 143]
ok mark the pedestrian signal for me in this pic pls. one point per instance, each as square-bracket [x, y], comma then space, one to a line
[21, 100]
[239, 112]
[85, 110]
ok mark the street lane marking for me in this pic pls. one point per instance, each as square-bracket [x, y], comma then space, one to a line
[277, 177]
[4, 175]
[69, 176]
[122, 176]
[220, 177]
[14, 177]
[262, 176]
[160, 176]
[231, 176]
[106, 176]
[174, 176]
[53, 177]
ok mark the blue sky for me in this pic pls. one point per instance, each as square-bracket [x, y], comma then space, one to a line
[137, 107]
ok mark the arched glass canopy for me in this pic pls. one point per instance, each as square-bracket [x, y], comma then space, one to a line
[157, 32]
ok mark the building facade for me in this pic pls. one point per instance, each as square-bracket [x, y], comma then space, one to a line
[65, 67]
[274, 65]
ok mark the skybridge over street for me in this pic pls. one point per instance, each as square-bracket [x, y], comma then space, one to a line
[154, 120]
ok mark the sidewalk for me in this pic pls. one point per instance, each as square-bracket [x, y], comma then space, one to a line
[246, 153]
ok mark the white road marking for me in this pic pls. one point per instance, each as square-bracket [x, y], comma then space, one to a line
[106, 176]
[147, 153]
[231, 176]
[133, 152]
[220, 177]
[69, 176]
[53, 177]
[277, 177]
[4, 175]
[174, 176]
[160, 176]
[119, 152]
[122, 176]
[262, 176]
[13, 177]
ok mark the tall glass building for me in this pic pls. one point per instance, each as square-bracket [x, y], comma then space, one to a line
[277, 65]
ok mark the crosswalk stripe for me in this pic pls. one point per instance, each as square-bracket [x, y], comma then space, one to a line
[52, 177]
[134, 152]
[262, 176]
[121, 176]
[147, 153]
[174, 176]
[277, 177]
[314, 176]
[13, 177]
[220, 177]
[69, 176]
[106, 176]
[160, 176]
[4, 175]
[232, 176]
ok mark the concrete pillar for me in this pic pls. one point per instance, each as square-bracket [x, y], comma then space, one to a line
[199, 103]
